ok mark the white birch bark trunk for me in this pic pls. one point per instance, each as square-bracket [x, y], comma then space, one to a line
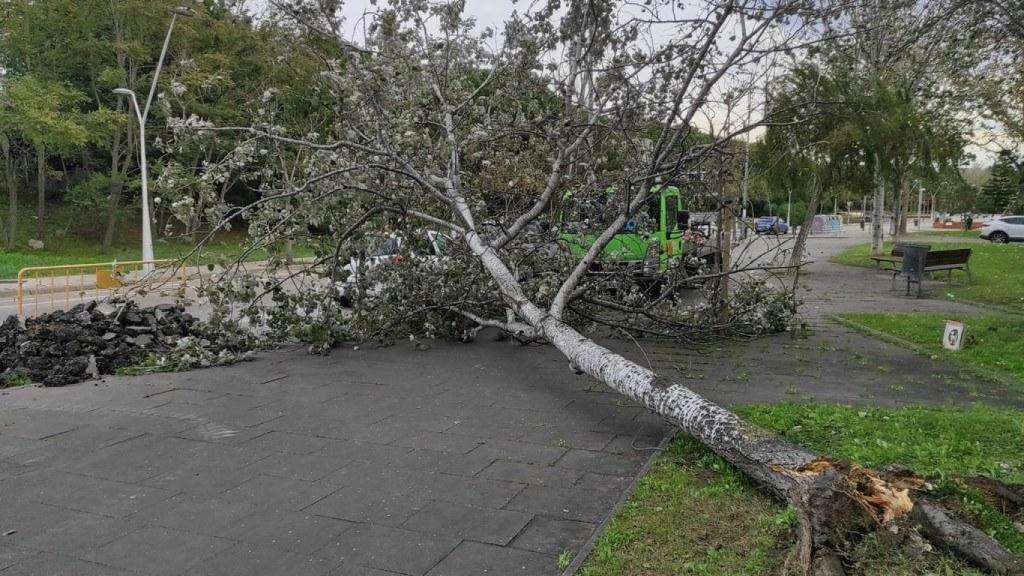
[760, 455]
[877, 211]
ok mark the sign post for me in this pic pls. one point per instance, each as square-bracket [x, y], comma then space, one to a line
[953, 338]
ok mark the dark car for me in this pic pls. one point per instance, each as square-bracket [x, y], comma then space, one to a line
[771, 225]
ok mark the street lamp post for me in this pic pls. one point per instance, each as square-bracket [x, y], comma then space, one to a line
[147, 236]
[141, 116]
[789, 209]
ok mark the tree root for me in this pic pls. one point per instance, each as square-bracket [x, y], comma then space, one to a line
[837, 503]
[945, 530]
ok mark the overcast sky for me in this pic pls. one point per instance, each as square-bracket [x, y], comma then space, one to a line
[493, 13]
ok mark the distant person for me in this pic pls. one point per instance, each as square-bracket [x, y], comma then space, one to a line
[861, 222]
[968, 222]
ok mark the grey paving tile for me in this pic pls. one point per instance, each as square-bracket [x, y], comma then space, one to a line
[591, 481]
[521, 452]
[474, 558]
[220, 433]
[296, 532]
[55, 565]
[11, 444]
[278, 493]
[632, 444]
[200, 478]
[287, 442]
[246, 559]
[553, 536]
[362, 451]
[13, 469]
[438, 441]
[34, 424]
[73, 533]
[354, 570]
[568, 436]
[195, 514]
[368, 503]
[11, 555]
[24, 516]
[390, 549]
[433, 461]
[568, 503]
[155, 551]
[307, 467]
[86, 494]
[530, 474]
[461, 489]
[600, 462]
[468, 522]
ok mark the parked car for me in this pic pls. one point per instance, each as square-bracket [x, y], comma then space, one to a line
[1003, 229]
[386, 251]
[771, 225]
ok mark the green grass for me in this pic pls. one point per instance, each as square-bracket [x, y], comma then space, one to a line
[91, 252]
[993, 342]
[998, 272]
[941, 443]
[946, 233]
[694, 514]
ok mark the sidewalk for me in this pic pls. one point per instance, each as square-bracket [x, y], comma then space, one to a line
[458, 460]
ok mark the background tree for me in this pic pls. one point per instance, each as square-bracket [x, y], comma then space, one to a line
[1000, 192]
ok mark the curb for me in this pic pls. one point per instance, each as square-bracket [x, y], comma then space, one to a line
[583, 553]
[999, 377]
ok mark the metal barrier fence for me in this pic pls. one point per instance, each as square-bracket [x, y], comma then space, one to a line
[61, 284]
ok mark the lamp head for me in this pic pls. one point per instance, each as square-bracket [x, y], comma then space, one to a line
[184, 11]
[123, 92]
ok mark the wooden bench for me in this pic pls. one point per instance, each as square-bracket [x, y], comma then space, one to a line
[941, 261]
[892, 261]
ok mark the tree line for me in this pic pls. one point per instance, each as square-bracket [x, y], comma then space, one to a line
[64, 135]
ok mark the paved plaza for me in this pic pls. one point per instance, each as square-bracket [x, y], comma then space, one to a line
[457, 460]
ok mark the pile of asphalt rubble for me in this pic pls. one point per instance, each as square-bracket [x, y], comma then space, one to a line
[88, 340]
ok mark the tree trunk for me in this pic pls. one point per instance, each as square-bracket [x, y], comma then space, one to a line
[11, 235]
[805, 227]
[41, 187]
[115, 187]
[877, 210]
[899, 208]
[904, 206]
[833, 503]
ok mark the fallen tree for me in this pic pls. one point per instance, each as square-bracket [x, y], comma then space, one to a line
[430, 120]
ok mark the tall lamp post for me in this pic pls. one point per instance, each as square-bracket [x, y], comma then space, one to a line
[141, 116]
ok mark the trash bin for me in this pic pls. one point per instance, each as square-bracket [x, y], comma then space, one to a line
[914, 256]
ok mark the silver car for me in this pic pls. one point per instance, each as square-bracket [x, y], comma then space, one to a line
[1003, 229]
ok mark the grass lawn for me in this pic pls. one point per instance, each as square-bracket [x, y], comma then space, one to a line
[994, 342]
[91, 252]
[948, 233]
[695, 514]
[998, 272]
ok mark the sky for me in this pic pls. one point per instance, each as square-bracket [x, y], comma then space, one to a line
[493, 13]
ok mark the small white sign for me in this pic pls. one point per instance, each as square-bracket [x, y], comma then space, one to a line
[953, 338]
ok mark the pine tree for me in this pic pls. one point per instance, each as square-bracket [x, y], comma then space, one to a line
[1001, 189]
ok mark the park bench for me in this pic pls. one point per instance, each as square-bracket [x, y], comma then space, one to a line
[937, 261]
[892, 261]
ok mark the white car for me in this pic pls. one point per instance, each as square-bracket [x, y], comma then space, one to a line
[1003, 229]
[386, 251]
